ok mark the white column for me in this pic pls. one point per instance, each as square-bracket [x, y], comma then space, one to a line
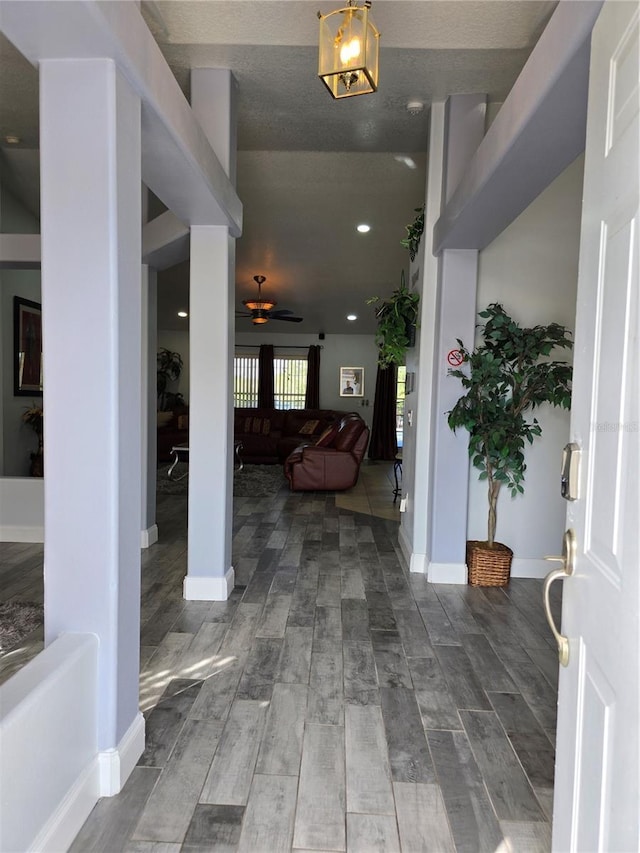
[211, 340]
[433, 529]
[464, 123]
[415, 527]
[149, 427]
[90, 182]
[210, 574]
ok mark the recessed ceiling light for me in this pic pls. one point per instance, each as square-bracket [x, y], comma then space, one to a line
[12, 139]
[409, 162]
[363, 228]
[182, 314]
[352, 317]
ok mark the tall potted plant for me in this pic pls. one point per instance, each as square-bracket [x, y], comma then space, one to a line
[34, 418]
[397, 317]
[169, 367]
[505, 378]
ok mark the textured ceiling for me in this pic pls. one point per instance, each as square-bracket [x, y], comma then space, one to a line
[310, 168]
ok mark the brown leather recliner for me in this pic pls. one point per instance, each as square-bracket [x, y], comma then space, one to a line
[334, 466]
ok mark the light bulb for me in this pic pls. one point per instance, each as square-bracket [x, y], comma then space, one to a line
[350, 51]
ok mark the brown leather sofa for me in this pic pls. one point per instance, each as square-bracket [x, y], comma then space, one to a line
[269, 435]
[335, 464]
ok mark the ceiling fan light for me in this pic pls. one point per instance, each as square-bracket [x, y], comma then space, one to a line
[258, 321]
[261, 305]
[348, 51]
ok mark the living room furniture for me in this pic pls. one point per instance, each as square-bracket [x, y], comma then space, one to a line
[173, 430]
[176, 452]
[269, 435]
[334, 464]
[237, 452]
[397, 469]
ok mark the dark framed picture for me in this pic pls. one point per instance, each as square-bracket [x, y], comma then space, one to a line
[352, 381]
[27, 348]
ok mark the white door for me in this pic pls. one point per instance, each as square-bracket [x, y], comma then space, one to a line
[596, 805]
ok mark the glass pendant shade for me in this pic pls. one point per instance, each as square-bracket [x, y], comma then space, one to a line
[259, 305]
[348, 56]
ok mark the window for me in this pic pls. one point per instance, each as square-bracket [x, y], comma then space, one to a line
[400, 392]
[289, 381]
[245, 381]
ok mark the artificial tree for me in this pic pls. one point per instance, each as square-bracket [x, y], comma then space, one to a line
[507, 376]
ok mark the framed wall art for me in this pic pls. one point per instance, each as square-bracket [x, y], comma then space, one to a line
[27, 348]
[352, 381]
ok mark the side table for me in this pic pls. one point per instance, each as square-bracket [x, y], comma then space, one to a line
[175, 452]
[397, 468]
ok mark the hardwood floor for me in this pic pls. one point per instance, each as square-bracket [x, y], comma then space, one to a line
[334, 702]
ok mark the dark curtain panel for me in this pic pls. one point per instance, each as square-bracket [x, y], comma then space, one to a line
[312, 396]
[383, 444]
[265, 377]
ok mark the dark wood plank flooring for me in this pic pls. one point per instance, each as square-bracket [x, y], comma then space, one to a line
[335, 702]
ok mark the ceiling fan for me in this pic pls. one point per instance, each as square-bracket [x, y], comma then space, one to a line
[261, 310]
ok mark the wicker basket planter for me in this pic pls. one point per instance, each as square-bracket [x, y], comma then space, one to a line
[488, 566]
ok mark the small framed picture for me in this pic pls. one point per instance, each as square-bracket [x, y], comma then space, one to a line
[27, 348]
[352, 381]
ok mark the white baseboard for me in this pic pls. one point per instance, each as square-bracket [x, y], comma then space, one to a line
[447, 573]
[524, 567]
[209, 589]
[19, 533]
[403, 542]
[149, 536]
[66, 822]
[418, 564]
[115, 765]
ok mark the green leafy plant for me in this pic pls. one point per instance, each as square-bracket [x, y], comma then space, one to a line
[414, 233]
[397, 318]
[505, 377]
[169, 367]
[34, 418]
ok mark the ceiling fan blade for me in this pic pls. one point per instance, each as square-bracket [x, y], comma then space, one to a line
[288, 319]
[243, 314]
[280, 312]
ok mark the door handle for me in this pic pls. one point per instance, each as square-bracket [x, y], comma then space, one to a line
[568, 560]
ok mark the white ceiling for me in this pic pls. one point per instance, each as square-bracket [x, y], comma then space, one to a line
[310, 168]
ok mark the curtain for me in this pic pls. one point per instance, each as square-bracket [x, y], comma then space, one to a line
[383, 443]
[312, 396]
[265, 377]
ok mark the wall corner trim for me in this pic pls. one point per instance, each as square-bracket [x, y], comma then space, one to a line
[115, 765]
[209, 589]
[418, 564]
[149, 536]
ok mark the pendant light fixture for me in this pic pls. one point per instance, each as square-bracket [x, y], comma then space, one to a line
[348, 54]
[260, 306]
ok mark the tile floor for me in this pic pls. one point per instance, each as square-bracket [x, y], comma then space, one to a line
[334, 702]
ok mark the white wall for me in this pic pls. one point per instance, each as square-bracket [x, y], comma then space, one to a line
[532, 269]
[49, 776]
[337, 351]
[17, 441]
[21, 509]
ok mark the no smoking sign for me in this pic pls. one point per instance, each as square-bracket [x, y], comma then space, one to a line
[455, 358]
